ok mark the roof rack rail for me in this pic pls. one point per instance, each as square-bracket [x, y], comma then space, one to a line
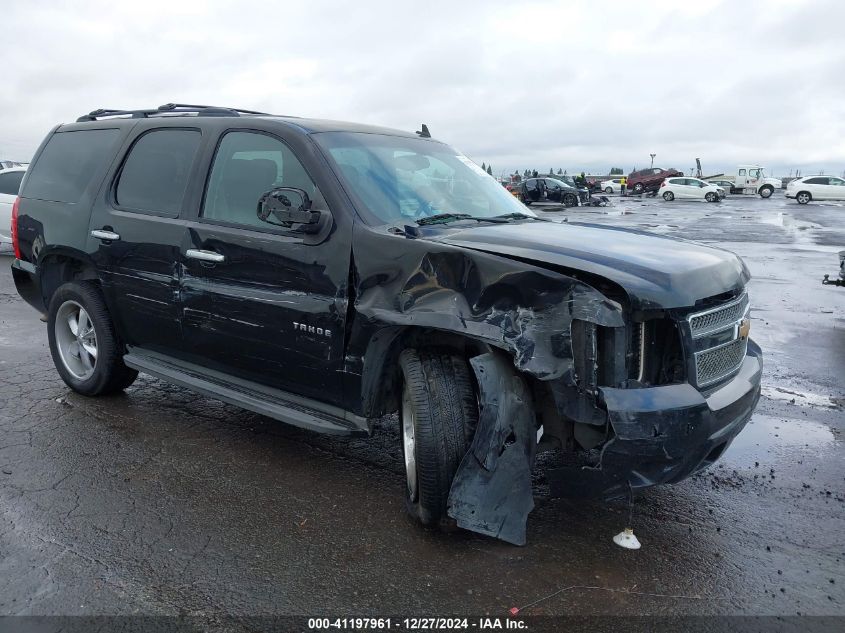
[185, 107]
[163, 110]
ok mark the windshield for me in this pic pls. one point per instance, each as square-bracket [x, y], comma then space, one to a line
[396, 179]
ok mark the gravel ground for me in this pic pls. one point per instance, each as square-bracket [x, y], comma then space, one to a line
[162, 502]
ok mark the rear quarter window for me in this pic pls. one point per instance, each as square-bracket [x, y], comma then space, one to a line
[67, 164]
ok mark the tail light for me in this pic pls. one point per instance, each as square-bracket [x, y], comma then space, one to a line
[14, 229]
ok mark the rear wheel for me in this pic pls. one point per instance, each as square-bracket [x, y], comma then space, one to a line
[608, 189]
[668, 196]
[83, 342]
[438, 416]
[710, 196]
[803, 197]
[766, 191]
[638, 188]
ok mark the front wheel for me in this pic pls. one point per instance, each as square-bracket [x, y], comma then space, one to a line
[668, 196]
[766, 192]
[570, 200]
[711, 197]
[638, 188]
[803, 197]
[83, 341]
[438, 416]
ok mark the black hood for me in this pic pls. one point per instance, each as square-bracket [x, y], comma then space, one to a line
[655, 271]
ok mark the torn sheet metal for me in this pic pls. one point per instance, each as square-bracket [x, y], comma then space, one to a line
[521, 308]
[491, 492]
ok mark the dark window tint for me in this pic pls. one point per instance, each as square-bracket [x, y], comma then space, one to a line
[155, 174]
[817, 181]
[10, 183]
[68, 163]
[246, 166]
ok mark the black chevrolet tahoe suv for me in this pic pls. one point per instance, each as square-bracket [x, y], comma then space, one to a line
[326, 274]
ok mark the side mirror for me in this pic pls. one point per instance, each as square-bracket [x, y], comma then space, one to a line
[289, 208]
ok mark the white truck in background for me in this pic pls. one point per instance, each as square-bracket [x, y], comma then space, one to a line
[752, 179]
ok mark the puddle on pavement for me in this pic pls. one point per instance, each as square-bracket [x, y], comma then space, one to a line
[767, 438]
[800, 398]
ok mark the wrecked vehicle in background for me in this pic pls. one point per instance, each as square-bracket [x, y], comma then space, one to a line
[326, 274]
[827, 281]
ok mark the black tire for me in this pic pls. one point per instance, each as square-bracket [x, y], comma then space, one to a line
[803, 197]
[668, 196]
[638, 188]
[570, 200]
[710, 196]
[766, 191]
[109, 373]
[439, 390]
[608, 190]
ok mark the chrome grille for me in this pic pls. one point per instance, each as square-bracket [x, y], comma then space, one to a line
[719, 318]
[715, 359]
[719, 362]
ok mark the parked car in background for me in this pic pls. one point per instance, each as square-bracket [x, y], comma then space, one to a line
[753, 179]
[690, 189]
[612, 186]
[10, 184]
[552, 190]
[727, 185]
[816, 188]
[649, 179]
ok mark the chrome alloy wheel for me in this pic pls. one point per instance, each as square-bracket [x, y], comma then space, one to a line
[76, 340]
[409, 444]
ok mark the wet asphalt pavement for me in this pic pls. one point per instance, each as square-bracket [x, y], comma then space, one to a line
[160, 501]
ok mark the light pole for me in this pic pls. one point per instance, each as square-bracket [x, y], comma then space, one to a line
[652, 159]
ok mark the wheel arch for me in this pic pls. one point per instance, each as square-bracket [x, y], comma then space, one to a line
[381, 379]
[59, 265]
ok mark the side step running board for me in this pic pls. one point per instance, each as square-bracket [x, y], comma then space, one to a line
[273, 403]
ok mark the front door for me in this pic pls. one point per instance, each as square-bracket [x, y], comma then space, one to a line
[837, 188]
[261, 302]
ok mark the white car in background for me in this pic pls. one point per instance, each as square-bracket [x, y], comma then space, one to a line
[816, 188]
[10, 184]
[613, 185]
[683, 188]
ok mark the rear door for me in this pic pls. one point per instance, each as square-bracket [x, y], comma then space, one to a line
[261, 302]
[136, 233]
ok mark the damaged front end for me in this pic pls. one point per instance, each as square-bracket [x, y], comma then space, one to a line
[627, 393]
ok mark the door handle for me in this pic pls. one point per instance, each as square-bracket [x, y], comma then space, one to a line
[102, 234]
[205, 256]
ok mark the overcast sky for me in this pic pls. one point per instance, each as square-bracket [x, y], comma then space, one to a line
[561, 84]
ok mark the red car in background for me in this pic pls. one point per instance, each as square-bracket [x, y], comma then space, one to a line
[649, 179]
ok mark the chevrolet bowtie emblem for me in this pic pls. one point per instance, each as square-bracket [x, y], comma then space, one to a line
[744, 328]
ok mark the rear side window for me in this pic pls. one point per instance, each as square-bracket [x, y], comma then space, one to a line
[66, 166]
[155, 174]
[10, 183]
